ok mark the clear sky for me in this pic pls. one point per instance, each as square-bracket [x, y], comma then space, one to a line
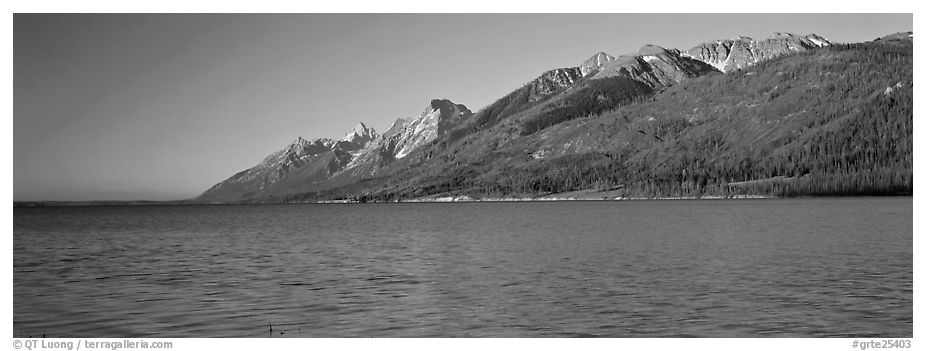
[116, 106]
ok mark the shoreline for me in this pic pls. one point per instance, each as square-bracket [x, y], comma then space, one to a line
[464, 198]
[444, 199]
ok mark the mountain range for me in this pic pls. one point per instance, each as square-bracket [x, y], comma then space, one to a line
[724, 117]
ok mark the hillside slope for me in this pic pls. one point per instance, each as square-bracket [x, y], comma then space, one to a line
[830, 121]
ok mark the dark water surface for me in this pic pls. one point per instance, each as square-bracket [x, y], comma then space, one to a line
[713, 268]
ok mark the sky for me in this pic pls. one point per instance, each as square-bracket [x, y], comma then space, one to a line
[163, 106]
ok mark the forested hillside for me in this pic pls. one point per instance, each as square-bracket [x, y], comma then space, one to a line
[598, 96]
[836, 120]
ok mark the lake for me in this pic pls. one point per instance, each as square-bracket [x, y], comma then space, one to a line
[816, 267]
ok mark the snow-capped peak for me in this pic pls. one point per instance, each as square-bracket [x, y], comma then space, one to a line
[360, 132]
[595, 62]
[301, 143]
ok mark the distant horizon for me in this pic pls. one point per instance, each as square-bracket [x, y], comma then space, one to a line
[159, 107]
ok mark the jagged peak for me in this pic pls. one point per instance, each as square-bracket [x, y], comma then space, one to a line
[557, 72]
[301, 142]
[359, 131]
[595, 62]
[360, 127]
[598, 59]
[299, 146]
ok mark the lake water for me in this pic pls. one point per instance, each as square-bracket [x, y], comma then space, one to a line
[708, 268]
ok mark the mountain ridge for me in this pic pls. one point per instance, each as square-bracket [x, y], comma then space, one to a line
[741, 52]
[304, 165]
[449, 139]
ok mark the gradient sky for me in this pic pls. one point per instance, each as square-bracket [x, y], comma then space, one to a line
[115, 106]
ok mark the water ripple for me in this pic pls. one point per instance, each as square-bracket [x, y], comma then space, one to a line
[780, 268]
